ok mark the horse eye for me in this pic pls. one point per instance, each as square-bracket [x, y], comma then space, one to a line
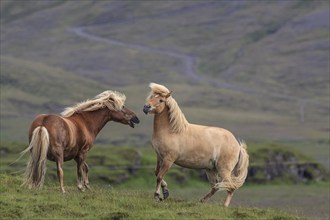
[161, 100]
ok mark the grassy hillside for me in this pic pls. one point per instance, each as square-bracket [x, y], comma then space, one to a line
[259, 69]
[124, 169]
[106, 203]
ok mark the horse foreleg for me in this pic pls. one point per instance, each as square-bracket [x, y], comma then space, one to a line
[165, 166]
[157, 167]
[86, 176]
[60, 174]
[165, 191]
[80, 172]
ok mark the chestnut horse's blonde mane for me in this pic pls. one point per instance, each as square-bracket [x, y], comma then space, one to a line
[178, 121]
[111, 99]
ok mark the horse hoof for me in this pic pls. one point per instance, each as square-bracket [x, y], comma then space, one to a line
[81, 189]
[157, 198]
[166, 194]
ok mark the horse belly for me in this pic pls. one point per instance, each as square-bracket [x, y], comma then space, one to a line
[55, 153]
[70, 154]
[195, 162]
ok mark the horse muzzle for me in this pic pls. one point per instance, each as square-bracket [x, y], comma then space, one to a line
[133, 121]
[146, 109]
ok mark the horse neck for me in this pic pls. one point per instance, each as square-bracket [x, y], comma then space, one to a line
[162, 121]
[95, 120]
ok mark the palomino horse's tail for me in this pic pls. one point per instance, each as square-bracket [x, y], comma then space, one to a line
[241, 170]
[36, 167]
[239, 173]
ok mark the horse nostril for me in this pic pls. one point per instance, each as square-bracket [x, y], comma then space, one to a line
[136, 120]
[146, 109]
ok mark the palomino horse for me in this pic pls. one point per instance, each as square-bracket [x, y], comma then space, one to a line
[193, 146]
[70, 136]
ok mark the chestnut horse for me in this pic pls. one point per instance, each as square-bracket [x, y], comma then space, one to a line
[174, 140]
[70, 136]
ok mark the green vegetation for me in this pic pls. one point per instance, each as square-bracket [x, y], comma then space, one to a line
[120, 171]
[278, 163]
[257, 69]
[134, 167]
[106, 203]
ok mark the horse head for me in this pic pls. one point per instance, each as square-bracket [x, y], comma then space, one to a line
[156, 101]
[122, 115]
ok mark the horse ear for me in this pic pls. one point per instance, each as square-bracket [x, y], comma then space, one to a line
[169, 94]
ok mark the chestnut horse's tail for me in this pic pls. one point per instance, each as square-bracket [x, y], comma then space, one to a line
[241, 170]
[36, 167]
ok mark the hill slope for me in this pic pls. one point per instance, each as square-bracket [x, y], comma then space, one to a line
[106, 203]
[259, 69]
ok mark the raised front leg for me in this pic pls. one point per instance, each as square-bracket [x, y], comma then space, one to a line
[165, 190]
[163, 168]
[60, 174]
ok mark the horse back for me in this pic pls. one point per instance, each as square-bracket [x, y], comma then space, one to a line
[58, 129]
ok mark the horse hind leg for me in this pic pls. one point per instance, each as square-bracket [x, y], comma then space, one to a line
[226, 184]
[230, 194]
[60, 174]
[213, 179]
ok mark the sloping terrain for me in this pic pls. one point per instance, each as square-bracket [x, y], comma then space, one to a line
[259, 69]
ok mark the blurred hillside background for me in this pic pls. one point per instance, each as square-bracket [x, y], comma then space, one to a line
[258, 68]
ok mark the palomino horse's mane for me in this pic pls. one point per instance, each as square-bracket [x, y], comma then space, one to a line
[111, 99]
[178, 121]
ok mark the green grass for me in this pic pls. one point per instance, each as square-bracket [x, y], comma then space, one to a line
[106, 203]
[134, 166]
[264, 51]
[121, 171]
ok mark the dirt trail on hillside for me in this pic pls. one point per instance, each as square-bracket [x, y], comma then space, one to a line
[190, 70]
[188, 61]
